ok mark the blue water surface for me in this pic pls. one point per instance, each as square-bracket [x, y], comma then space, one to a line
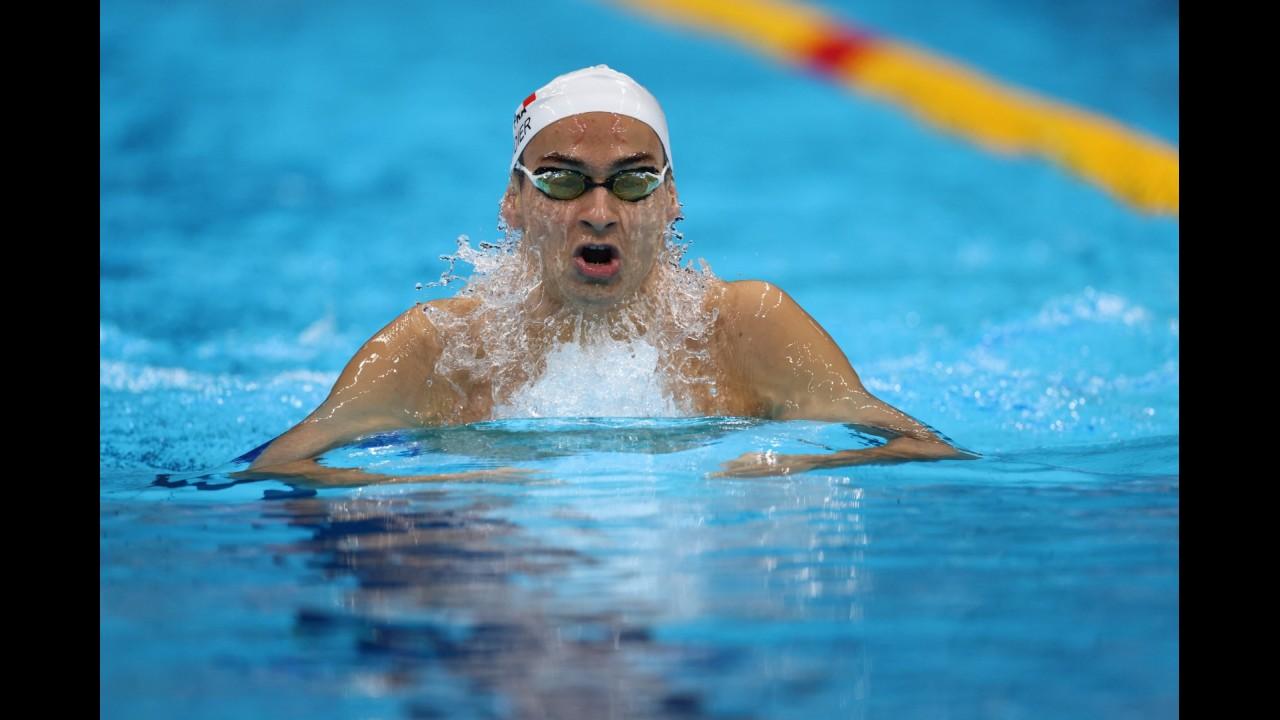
[277, 177]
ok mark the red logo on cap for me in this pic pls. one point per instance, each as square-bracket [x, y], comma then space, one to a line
[532, 96]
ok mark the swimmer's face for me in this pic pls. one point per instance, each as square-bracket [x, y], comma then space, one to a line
[596, 250]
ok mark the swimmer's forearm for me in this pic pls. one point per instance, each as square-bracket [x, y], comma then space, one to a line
[898, 450]
[310, 472]
[301, 445]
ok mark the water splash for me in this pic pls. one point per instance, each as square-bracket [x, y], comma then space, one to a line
[605, 378]
[634, 361]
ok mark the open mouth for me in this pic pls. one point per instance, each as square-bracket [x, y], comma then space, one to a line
[597, 261]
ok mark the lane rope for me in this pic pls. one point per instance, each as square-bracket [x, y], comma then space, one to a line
[1132, 166]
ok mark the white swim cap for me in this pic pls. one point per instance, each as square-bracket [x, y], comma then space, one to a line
[593, 89]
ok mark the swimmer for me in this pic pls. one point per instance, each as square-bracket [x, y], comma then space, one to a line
[592, 198]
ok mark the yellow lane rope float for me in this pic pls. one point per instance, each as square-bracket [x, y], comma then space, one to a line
[1134, 167]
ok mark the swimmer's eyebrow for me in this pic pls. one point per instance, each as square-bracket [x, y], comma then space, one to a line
[631, 160]
[620, 162]
[562, 158]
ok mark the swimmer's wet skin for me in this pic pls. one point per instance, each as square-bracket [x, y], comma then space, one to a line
[591, 262]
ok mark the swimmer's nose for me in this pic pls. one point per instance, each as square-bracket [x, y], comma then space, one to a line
[598, 214]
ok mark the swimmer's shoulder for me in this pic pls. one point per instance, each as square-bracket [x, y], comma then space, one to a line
[762, 314]
[437, 315]
[739, 289]
[422, 327]
[752, 302]
[459, 307]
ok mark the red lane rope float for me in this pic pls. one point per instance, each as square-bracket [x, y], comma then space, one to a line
[1134, 167]
[840, 48]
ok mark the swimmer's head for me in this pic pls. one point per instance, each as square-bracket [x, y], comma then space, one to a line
[594, 89]
[595, 217]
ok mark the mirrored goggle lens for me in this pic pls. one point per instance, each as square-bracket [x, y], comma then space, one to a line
[635, 185]
[561, 185]
[568, 184]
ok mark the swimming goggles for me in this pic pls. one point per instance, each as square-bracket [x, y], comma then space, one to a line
[565, 184]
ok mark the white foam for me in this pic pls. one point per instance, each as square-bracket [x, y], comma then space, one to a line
[610, 378]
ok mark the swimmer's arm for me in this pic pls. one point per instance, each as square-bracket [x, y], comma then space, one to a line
[799, 372]
[382, 388]
[309, 472]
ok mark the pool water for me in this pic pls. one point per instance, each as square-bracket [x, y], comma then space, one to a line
[277, 178]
